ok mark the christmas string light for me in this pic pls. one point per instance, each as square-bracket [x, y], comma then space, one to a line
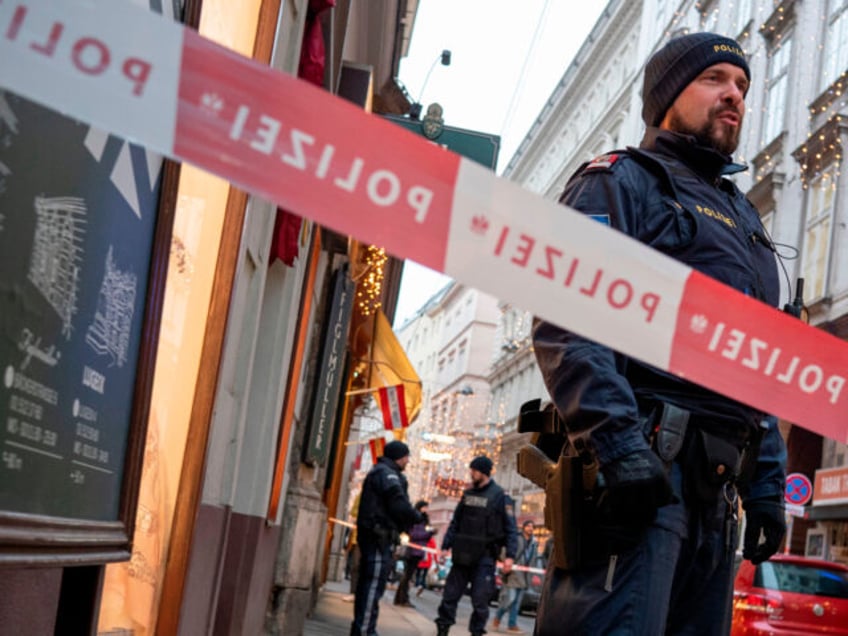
[370, 286]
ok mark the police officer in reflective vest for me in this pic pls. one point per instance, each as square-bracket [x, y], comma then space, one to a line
[384, 511]
[658, 533]
[482, 524]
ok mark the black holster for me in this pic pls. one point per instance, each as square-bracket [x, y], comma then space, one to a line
[569, 482]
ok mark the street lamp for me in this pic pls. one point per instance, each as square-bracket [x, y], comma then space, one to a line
[415, 107]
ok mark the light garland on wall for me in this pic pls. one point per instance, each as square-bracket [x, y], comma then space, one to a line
[370, 286]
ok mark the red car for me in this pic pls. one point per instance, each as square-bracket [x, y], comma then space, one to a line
[790, 595]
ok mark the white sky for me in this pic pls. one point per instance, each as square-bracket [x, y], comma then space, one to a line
[506, 59]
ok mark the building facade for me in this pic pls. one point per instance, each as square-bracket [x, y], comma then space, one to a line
[259, 323]
[792, 140]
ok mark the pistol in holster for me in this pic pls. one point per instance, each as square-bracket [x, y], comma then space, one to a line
[568, 479]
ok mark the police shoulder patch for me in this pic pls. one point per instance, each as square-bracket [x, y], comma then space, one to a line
[602, 162]
[510, 510]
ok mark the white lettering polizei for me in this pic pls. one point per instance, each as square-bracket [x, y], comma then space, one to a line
[382, 187]
[759, 355]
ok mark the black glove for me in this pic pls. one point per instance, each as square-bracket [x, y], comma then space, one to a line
[634, 486]
[766, 516]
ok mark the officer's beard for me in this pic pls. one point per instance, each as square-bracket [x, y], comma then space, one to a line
[713, 134]
[477, 482]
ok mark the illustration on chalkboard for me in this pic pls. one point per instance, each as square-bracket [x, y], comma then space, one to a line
[8, 128]
[54, 266]
[134, 171]
[109, 334]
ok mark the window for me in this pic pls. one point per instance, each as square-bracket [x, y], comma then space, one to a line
[743, 14]
[801, 578]
[777, 82]
[709, 19]
[817, 234]
[835, 57]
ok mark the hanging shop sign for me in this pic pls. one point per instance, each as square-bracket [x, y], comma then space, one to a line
[329, 378]
[477, 146]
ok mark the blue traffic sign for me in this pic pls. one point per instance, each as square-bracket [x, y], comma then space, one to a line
[799, 489]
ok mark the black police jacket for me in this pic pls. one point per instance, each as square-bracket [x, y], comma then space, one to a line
[384, 503]
[672, 195]
[484, 517]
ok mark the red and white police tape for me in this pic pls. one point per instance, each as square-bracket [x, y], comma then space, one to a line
[163, 86]
[499, 564]
[438, 553]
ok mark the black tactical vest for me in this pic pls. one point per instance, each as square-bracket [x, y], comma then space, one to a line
[480, 525]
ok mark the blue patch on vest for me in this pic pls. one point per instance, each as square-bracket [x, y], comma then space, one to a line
[603, 219]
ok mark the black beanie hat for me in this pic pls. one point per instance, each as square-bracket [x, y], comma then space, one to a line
[396, 450]
[675, 65]
[482, 464]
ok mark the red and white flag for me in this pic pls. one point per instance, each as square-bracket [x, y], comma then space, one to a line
[376, 446]
[393, 407]
[357, 460]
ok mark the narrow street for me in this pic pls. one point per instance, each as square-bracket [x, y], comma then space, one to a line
[334, 611]
[428, 603]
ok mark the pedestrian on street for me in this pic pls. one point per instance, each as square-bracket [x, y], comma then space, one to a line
[482, 524]
[419, 535]
[659, 531]
[384, 511]
[517, 581]
[425, 564]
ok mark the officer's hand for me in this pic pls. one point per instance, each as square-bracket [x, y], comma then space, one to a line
[766, 518]
[634, 487]
[507, 565]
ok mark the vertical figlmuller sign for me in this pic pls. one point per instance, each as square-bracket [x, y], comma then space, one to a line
[329, 376]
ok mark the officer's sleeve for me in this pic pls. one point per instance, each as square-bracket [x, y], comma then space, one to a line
[585, 379]
[769, 480]
[397, 502]
[510, 529]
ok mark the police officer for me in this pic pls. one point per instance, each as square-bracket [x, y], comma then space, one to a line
[659, 550]
[384, 511]
[482, 524]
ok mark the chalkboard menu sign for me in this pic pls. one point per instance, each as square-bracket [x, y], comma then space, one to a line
[77, 219]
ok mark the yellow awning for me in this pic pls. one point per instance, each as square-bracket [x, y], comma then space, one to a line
[390, 366]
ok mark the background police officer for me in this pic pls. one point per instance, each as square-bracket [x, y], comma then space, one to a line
[482, 524]
[384, 511]
[658, 555]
